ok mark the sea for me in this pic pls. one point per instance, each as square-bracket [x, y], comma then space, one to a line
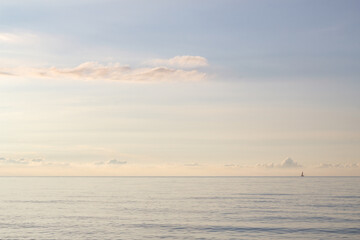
[180, 208]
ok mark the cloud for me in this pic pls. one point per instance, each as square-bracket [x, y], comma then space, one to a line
[339, 165]
[99, 163]
[17, 38]
[37, 160]
[9, 37]
[116, 72]
[116, 162]
[6, 73]
[229, 165]
[287, 163]
[111, 162]
[30, 162]
[181, 62]
[14, 161]
[192, 165]
[56, 164]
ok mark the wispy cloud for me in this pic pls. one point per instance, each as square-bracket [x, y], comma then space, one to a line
[116, 162]
[17, 38]
[192, 165]
[6, 74]
[231, 165]
[116, 72]
[30, 162]
[10, 161]
[16, 161]
[9, 38]
[181, 62]
[22, 161]
[339, 165]
[287, 163]
[111, 162]
[37, 160]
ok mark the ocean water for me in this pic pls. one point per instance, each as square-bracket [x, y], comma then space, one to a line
[179, 208]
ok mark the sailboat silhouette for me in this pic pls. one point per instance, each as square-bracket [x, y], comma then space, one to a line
[302, 174]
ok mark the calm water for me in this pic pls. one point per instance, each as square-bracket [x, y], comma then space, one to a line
[179, 208]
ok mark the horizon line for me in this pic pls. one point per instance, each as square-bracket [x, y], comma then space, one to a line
[195, 176]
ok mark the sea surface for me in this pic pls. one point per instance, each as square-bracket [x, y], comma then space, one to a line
[180, 208]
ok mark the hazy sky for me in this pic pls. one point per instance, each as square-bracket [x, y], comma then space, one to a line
[224, 87]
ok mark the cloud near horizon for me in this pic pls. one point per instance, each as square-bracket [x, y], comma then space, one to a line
[287, 163]
[192, 165]
[115, 72]
[339, 165]
[116, 162]
[29, 162]
[114, 167]
[181, 62]
[111, 162]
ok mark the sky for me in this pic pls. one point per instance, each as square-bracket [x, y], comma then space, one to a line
[179, 88]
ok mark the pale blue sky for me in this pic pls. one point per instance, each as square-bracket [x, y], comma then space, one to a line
[281, 80]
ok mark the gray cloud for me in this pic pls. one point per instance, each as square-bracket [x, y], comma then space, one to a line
[116, 162]
[99, 163]
[24, 161]
[192, 164]
[229, 165]
[6, 73]
[111, 162]
[287, 163]
[19, 161]
[37, 160]
[339, 165]
[56, 164]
